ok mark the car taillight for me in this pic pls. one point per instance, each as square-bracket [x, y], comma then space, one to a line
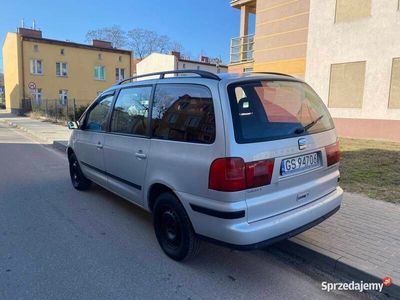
[259, 173]
[232, 174]
[332, 153]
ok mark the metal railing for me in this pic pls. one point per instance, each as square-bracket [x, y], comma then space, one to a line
[242, 49]
[59, 110]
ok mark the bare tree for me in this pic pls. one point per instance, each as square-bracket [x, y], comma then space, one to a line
[143, 42]
[113, 34]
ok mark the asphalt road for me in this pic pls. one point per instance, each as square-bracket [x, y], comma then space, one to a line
[58, 243]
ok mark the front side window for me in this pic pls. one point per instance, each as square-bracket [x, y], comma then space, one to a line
[97, 117]
[100, 73]
[269, 110]
[36, 67]
[130, 114]
[183, 112]
[61, 69]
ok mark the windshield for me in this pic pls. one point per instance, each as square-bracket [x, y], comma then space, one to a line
[269, 110]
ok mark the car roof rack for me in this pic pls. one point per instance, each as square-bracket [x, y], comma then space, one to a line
[274, 73]
[202, 74]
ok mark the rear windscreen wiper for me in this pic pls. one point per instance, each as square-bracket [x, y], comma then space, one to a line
[308, 126]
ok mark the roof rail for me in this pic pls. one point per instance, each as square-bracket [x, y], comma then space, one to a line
[202, 74]
[275, 73]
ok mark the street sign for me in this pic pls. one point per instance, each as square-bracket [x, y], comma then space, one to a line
[32, 85]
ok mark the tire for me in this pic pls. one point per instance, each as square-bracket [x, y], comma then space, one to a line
[173, 228]
[79, 181]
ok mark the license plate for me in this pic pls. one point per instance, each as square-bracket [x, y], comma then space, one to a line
[300, 163]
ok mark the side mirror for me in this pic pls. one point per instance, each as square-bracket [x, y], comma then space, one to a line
[72, 125]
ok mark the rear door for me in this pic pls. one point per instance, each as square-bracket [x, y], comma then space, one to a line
[287, 122]
[90, 141]
[126, 146]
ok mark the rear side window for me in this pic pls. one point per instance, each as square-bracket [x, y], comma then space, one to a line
[270, 110]
[131, 111]
[183, 112]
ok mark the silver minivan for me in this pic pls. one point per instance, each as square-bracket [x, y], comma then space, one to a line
[241, 160]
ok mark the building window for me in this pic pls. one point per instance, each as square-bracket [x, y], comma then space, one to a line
[349, 10]
[62, 51]
[119, 74]
[63, 96]
[100, 56]
[100, 73]
[198, 67]
[184, 66]
[346, 88]
[36, 67]
[37, 96]
[120, 58]
[394, 96]
[61, 69]
[35, 48]
[247, 70]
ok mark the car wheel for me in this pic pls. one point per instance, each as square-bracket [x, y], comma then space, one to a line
[79, 181]
[173, 229]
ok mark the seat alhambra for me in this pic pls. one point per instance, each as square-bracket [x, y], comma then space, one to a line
[241, 160]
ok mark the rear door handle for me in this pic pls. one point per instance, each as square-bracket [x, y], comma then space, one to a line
[140, 154]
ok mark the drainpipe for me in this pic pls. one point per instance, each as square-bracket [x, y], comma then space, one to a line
[23, 70]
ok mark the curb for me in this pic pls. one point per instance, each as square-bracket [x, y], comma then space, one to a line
[60, 145]
[333, 264]
[14, 125]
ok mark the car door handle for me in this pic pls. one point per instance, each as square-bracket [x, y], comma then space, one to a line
[140, 154]
[99, 145]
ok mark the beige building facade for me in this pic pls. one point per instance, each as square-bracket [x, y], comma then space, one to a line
[36, 68]
[280, 40]
[347, 50]
[353, 62]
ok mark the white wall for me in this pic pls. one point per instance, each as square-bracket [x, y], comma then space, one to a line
[156, 62]
[375, 39]
[182, 65]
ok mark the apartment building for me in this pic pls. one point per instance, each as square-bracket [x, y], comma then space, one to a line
[347, 50]
[157, 62]
[37, 68]
[280, 40]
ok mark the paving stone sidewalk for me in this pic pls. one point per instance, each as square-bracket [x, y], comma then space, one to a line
[46, 132]
[364, 235]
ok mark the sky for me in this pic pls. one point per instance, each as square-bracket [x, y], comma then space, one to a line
[201, 26]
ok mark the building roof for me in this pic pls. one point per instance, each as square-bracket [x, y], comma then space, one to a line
[76, 45]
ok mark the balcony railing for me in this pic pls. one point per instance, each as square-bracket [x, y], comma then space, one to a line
[242, 49]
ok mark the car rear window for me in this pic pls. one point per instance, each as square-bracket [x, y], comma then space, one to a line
[269, 110]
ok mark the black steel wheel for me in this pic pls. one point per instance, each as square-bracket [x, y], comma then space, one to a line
[173, 229]
[79, 181]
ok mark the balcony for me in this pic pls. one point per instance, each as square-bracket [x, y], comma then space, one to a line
[242, 49]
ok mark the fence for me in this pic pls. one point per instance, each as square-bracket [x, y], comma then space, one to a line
[59, 110]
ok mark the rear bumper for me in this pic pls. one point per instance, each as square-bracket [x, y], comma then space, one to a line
[240, 234]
